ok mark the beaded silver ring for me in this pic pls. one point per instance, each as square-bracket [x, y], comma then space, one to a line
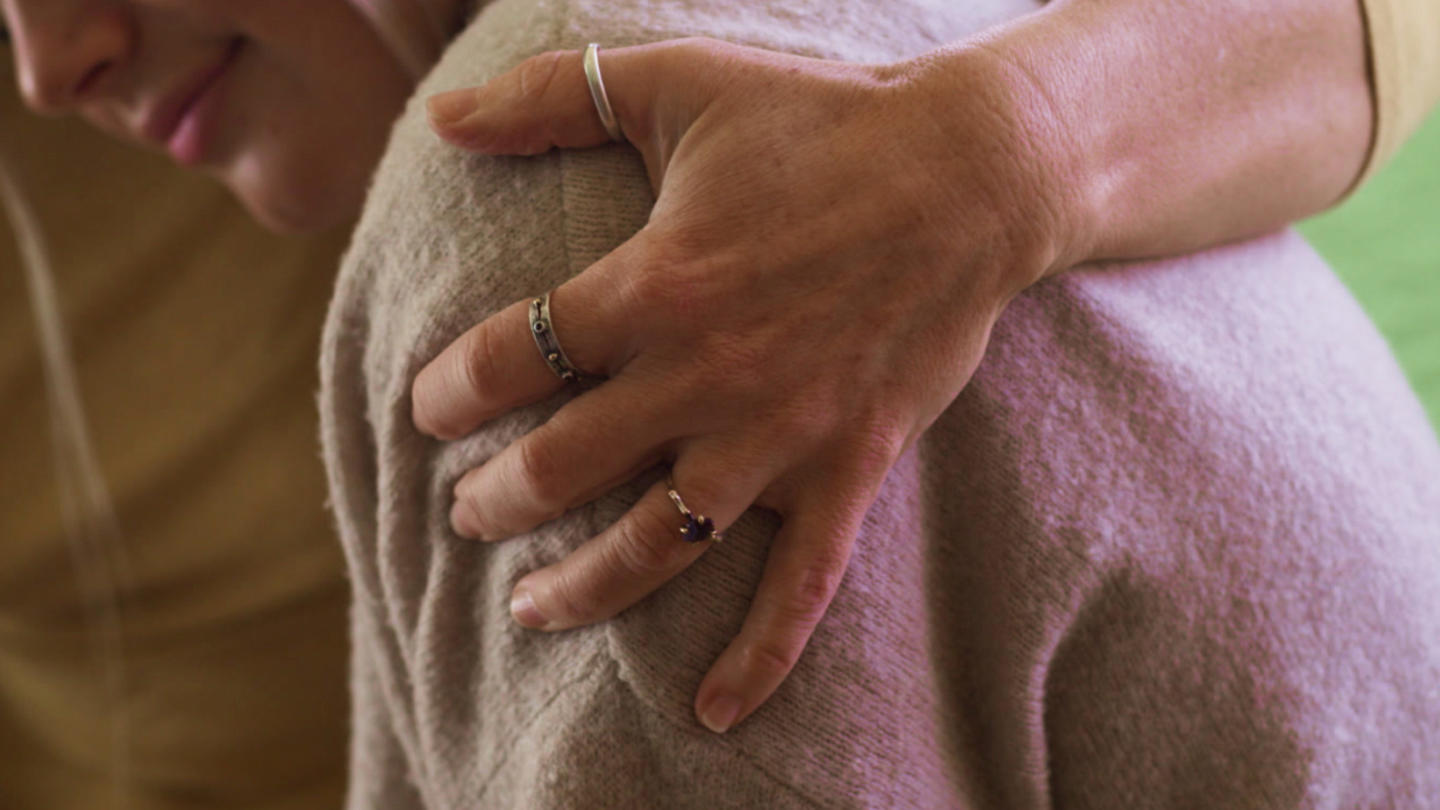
[544, 333]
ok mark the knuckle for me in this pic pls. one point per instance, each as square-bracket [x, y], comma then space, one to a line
[646, 546]
[812, 591]
[656, 287]
[768, 660]
[735, 364]
[467, 508]
[433, 394]
[674, 281]
[536, 75]
[702, 49]
[695, 41]
[540, 472]
[814, 420]
[802, 424]
[424, 406]
[577, 601]
[877, 443]
[872, 451]
[478, 360]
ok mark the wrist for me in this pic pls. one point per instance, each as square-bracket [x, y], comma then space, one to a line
[1176, 127]
[1002, 117]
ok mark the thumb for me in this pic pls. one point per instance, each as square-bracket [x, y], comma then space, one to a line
[545, 102]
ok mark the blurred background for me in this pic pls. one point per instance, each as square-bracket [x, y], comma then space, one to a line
[1385, 243]
[194, 337]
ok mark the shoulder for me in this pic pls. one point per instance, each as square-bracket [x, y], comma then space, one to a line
[447, 236]
[445, 232]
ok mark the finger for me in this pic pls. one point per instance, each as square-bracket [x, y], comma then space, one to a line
[496, 366]
[545, 101]
[643, 550]
[656, 90]
[806, 563]
[595, 442]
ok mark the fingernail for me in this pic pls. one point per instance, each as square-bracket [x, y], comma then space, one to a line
[450, 107]
[720, 714]
[522, 607]
[464, 520]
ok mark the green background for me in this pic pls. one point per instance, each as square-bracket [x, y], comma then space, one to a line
[1385, 243]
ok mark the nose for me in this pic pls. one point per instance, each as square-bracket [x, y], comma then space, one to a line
[65, 50]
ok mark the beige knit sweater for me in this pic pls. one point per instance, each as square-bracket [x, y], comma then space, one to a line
[1176, 545]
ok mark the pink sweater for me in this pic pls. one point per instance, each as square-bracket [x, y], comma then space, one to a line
[1176, 545]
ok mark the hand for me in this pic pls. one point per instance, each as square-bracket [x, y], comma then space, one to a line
[825, 258]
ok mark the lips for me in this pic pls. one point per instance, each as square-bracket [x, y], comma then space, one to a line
[161, 124]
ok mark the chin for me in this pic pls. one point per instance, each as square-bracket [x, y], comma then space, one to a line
[293, 202]
[294, 213]
[292, 218]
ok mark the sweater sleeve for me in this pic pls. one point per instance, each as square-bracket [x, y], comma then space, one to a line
[1404, 56]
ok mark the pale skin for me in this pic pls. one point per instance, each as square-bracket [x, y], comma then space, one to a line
[830, 246]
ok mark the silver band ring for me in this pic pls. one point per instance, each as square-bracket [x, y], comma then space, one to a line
[697, 527]
[597, 92]
[544, 333]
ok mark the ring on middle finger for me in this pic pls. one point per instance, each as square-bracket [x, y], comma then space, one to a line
[697, 527]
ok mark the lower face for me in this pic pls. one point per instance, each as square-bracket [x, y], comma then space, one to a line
[296, 105]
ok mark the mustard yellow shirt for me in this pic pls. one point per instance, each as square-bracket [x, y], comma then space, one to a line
[195, 336]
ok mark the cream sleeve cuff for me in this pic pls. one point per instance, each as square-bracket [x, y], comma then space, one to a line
[1404, 55]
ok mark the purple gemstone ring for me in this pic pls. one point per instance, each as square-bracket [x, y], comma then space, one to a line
[697, 527]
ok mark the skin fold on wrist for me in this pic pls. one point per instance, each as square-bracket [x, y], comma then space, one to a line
[1149, 131]
[1010, 168]
[1200, 123]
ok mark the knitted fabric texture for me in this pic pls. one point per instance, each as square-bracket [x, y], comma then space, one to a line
[1175, 545]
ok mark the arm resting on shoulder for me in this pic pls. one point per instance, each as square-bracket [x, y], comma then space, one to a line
[1168, 128]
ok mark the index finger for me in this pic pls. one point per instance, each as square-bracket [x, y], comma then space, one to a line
[496, 365]
[545, 101]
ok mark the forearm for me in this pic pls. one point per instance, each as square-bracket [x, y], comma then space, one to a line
[1164, 128]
